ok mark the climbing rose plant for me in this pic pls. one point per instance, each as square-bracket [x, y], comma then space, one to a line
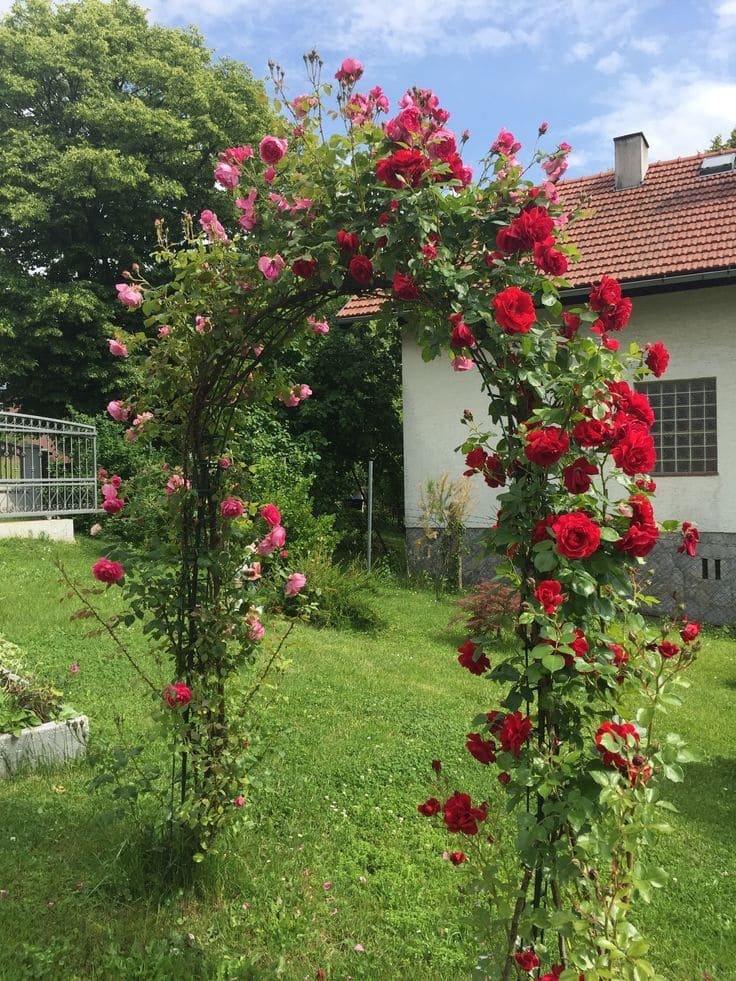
[475, 268]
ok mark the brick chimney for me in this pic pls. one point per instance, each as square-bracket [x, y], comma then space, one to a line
[632, 160]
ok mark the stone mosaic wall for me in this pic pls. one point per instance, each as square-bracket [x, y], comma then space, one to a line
[706, 583]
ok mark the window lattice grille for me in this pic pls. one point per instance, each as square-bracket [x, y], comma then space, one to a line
[685, 428]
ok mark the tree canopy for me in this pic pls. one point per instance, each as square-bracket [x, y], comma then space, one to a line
[719, 143]
[108, 123]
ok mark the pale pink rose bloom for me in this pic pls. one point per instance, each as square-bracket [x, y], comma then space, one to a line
[265, 546]
[109, 492]
[117, 349]
[143, 418]
[239, 801]
[271, 268]
[554, 169]
[225, 463]
[227, 176]
[252, 572]
[202, 324]
[164, 331]
[462, 364]
[277, 535]
[327, 886]
[74, 668]
[272, 149]
[175, 484]
[359, 949]
[553, 195]
[318, 326]
[209, 222]
[95, 530]
[301, 204]
[561, 220]
[302, 104]
[295, 584]
[118, 411]
[280, 201]
[248, 219]
[349, 71]
[269, 175]
[304, 391]
[257, 630]
[291, 400]
[128, 295]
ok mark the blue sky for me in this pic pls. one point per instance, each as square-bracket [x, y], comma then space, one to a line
[594, 69]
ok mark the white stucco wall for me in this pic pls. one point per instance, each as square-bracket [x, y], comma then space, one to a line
[698, 327]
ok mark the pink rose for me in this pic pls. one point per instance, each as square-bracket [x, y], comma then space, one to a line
[459, 363]
[269, 175]
[295, 584]
[113, 505]
[118, 411]
[271, 268]
[257, 630]
[252, 572]
[318, 326]
[129, 296]
[175, 484]
[304, 391]
[95, 530]
[209, 222]
[164, 331]
[116, 349]
[227, 176]
[239, 801]
[349, 71]
[231, 507]
[271, 514]
[106, 571]
[272, 149]
[278, 535]
[265, 546]
[178, 694]
[109, 491]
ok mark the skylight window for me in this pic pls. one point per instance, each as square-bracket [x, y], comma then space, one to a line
[721, 163]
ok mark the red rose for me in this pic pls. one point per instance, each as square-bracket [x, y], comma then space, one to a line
[461, 816]
[271, 514]
[668, 650]
[483, 750]
[616, 317]
[577, 537]
[545, 445]
[657, 359]
[458, 170]
[467, 659]
[493, 472]
[305, 268]
[504, 778]
[430, 807]
[576, 477]
[361, 269]
[540, 532]
[348, 241]
[591, 432]
[550, 595]
[639, 540]
[635, 453]
[457, 858]
[514, 732]
[404, 287]
[527, 960]
[462, 335]
[106, 571]
[549, 259]
[178, 694]
[579, 646]
[690, 539]
[514, 310]
[571, 323]
[690, 632]
[532, 226]
[405, 167]
[620, 655]
[646, 485]
[475, 461]
[606, 294]
[623, 731]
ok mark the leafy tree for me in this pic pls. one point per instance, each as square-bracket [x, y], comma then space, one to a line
[718, 143]
[107, 123]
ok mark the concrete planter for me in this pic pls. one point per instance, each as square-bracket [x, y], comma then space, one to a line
[49, 744]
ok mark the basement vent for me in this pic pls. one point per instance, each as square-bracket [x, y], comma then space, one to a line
[721, 163]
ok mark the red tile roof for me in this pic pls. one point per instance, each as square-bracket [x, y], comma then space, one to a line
[676, 222]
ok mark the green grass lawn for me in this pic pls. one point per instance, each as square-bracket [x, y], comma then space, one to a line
[353, 729]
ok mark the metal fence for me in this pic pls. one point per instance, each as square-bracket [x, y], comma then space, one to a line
[47, 466]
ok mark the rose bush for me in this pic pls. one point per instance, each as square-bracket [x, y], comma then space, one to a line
[476, 270]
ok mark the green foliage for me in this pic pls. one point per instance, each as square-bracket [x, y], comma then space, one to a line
[719, 143]
[344, 596]
[108, 123]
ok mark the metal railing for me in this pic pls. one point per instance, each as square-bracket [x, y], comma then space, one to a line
[47, 466]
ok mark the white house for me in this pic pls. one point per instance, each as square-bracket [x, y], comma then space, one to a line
[667, 232]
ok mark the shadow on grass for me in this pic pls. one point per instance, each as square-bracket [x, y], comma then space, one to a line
[707, 795]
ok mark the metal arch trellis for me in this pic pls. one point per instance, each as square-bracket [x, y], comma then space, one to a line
[47, 466]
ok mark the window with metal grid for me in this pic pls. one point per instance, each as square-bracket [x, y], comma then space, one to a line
[685, 428]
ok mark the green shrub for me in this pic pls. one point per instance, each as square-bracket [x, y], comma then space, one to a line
[344, 596]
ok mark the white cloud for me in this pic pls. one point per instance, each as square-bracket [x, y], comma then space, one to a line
[678, 109]
[581, 51]
[648, 45]
[610, 64]
[726, 13]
